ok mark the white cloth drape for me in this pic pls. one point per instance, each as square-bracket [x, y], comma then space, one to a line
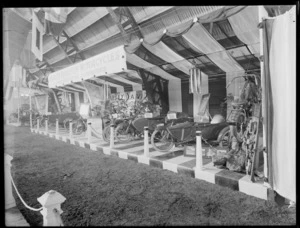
[283, 84]
[244, 25]
[201, 39]
[165, 53]
[217, 54]
[175, 101]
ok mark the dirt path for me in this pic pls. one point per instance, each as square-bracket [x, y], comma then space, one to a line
[102, 190]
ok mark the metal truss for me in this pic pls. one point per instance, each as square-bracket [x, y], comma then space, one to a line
[123, 18]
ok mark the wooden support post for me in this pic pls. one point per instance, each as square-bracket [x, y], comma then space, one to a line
[262, 13]
[112, 136]
[199, 163]
[146, 142]
[51, 202]
[9, 198]
[57, 127]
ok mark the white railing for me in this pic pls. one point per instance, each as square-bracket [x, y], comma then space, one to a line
[51, 201]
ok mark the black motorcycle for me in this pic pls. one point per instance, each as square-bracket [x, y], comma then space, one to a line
[133, 126]
[173, 133]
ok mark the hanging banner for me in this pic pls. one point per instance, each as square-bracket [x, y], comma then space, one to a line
[129, 96]
[106, 63]
[37, 37]
[195, 80]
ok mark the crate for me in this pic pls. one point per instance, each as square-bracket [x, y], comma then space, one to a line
[189, 151]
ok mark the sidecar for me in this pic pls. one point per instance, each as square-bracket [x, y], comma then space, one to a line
[213, 133]
[141, 122]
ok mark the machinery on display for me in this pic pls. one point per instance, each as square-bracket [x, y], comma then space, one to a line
[142, 113]
[245, 118]
[174, 133]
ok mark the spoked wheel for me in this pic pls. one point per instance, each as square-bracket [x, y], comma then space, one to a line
[106, 133]
[122, 134]
[240, 128]
[162, 141]
[77, 130]
[225, 138]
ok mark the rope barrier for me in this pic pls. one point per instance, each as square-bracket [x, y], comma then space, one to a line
[31, 208]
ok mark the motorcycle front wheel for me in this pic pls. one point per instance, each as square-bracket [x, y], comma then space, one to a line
[122, 134]
[224, 138]
[162, 141]
[106, 133]
[240, 127]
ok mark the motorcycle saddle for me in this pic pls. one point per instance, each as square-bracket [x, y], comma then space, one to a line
[181, 125]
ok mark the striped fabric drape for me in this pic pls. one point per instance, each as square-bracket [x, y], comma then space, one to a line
[195, 80]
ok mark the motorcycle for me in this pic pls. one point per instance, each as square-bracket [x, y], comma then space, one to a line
[167, 136]
[133, 126]
[36, 117]
[242, 108]
[114, 119]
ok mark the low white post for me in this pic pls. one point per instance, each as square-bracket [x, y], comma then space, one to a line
[71, 129]
[146, 142]
[89, 132]
[51, 202]
[57, 127]
[38, 125]
[112, 136]
[30, 120]
[9, 198]
[199, 162]
[46, 125]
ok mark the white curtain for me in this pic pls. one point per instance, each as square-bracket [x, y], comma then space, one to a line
[283, 84]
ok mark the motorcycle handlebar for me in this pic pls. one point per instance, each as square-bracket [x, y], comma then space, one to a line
[248, 75]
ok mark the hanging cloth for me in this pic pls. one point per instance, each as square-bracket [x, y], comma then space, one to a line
[195, 80]
[282, 63]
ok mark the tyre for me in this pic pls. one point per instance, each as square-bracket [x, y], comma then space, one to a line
[106, 133]
[224, 137]
[78, 130]
[121, 134]
[240, 127]
[161, 140]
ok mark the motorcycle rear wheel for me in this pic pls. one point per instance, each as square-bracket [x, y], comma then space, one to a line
[106, 133]
[121, 134]
[161, 140]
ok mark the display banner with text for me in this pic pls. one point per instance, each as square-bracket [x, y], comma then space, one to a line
[129, 97]
[112, 61]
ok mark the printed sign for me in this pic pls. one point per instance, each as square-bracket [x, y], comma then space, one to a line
[106, 63]
[171, 116]
[148, 115]
[129, 96]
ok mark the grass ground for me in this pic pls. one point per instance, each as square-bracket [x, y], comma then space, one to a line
[102, 190]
